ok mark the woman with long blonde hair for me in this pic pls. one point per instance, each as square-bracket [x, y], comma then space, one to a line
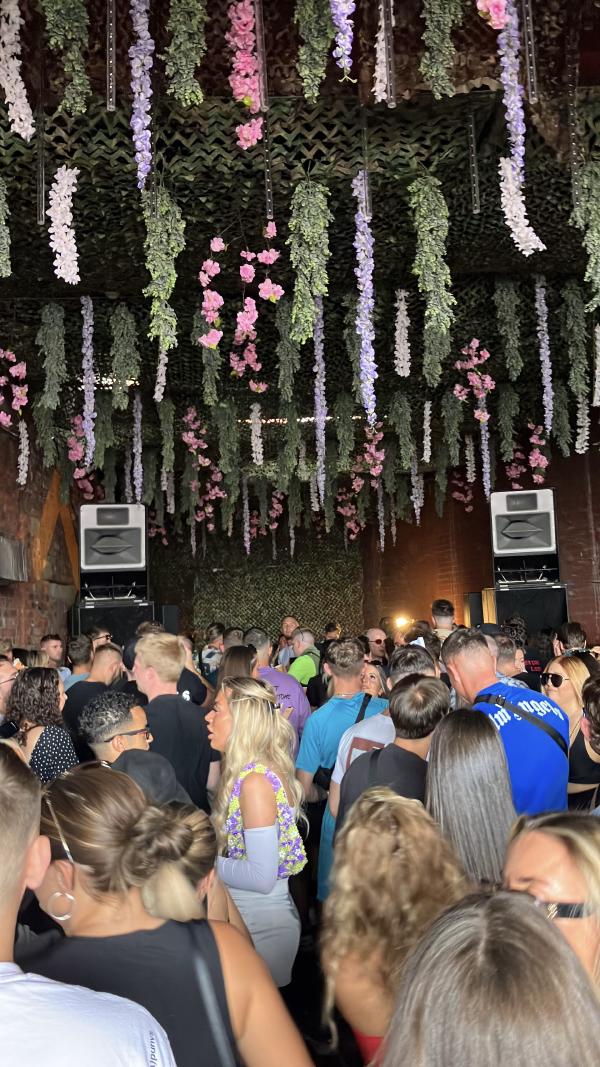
[255, 816]
[564, 680]
[393, 874]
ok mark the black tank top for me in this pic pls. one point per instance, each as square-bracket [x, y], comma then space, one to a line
[155, 968]
[582, 771]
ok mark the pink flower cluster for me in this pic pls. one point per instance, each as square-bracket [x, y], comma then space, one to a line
[494, 12]
[244, 78]
[212, 301]
[276, 509]
[245, 332]
[82, 476]
[537, 459]
[346, 507]
[516, 469]
[479, 384]
[462, 492]
[154, 530]
[194, 436]
[18, 393]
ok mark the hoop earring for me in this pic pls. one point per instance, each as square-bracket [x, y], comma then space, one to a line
[67, 914]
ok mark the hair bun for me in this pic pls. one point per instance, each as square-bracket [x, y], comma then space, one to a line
[158, 836]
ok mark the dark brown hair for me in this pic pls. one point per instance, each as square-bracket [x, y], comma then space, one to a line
[35, 699]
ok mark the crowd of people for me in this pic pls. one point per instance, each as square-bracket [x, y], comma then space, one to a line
[181, 820]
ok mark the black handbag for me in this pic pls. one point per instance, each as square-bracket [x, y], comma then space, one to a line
[322, 776]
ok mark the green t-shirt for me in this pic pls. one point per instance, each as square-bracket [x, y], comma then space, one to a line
[305, 667]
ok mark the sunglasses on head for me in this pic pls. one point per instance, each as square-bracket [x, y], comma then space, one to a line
[550, 678]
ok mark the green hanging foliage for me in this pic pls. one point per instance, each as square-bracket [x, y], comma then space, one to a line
[67, 27]
[587, 217]
[452, 415]
[575, 338]
[229, 439]
[211, 361]
[441, 16]
[362, 504]
[166, 415]
[352, 343]
[561, 423]
[404, 508]
[288, 457]
[389, 466]
[430, 214]
[441, 463]
[399, 416]
[165, 228]
[186, 28]
[109, 476]
[508, 410]
[65, 471]
[260, 488]
[45, 432]
[124, 354]
[103, 428]
[288, 352]
[294, 503]
[315, 26]
[51, 340]
[5, 267]
[330, 483]
[309, 253]
[508, 301]
[343, 410]
[150, 465]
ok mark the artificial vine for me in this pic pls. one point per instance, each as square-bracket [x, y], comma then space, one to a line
[51, 340]
[166, 415]
[67, 25]
[508, 409]
[229, 457]
[507, 301]
[575, 338]
[587, 216]
[150, 465]
[288, 352]
[388, 475]
[5, 267]
[352, 342]
[288, 457]
[561, 423]
[165, 228]
[109, 476]
[45, 432]
[343, 410]
[399, 416]
[441, 478]
[103, 429]
[452, 415]
[431, 224]
[315, 26]
[309, 253]
[124, 354]
[441, 16]
[211, 361]
[185, 26]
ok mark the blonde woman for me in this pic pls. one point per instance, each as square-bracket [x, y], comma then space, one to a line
[393, 874]
[124, 882]
[564, 680]
[255, 815]
[556, 859]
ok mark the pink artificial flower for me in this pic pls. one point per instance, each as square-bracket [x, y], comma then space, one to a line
[248, 256]
[538, 459]
[251, 357]
[8, 355]
[79, 472]
[538, 479]
[3, 380]
[203, 279]
[217, 244]
[481, 415]
[268, 256]
[19, 397]
[247, 272]
[5, 419]
[270, 230]
[268, 291]
[461, 392]
[249, 133]
[258, 387]
[211, 300]
[19, 370]
[210, 339]
[211, 267]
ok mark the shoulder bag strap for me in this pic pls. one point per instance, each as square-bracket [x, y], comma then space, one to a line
[515, 709]
[363, 707]
[373, 761]
[212, 1008]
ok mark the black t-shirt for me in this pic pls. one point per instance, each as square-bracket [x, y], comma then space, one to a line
[190, 687]
[180, 735]
[154, 968]
[125, 686]
[402, 771]
[78, 696]
[316, 691]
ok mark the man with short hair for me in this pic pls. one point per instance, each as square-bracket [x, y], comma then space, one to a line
[105, 670]
[292, 700]
[307, 658]
[442, 615]
[80, 652]
[46, 1022]
[417, 705]
[178, 727]
[288, 626]
[112, 723]
[376, 638]
[532, 727]
[98, 635]
[233, 637]
[52, 645]
[507, 666]
[322, 733]
[569, 636]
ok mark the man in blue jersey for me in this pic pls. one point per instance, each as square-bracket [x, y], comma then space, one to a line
[533, 729]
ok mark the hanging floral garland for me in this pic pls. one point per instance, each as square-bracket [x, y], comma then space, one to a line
[104, 436]
[494, 12]
[352, 342]
[45, 431]
[124, 354]
[320, 398]
[596, 393]
[186, 50]
[538, 462]
[62, 236]
[380, 76]
[470, 466]
[5, 267]
[138, 470]
[246, 515]
[431, 223]
[516, 468]
[452, 416]
[561, 422]
[582, 440]
[13, 396]
[587, 217]
[20, 115]
[427, 431]
[166, 416]
[401, 339]
[287, 460]
[575, 338]
[507, 301]
[140, 54]
[341, 14]
[417, 493]
[400, 416]
[346, 507]
[288, 352]
[315, 27]
[544, 348]
[508, 410]
[344, 411]
[381, 517]
[309, 253]
[23, 458]
[441, 16]
[89, 378]
[51, 340]
[67, 26]
[205, 331]
[76, 445]
[479, 385]
[245, 333]
[363, 243]
[256, 441]
[244, 78]
[462, 492]
[165, 228]
[127, 465]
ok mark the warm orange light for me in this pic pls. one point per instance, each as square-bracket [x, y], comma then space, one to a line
[401, 621]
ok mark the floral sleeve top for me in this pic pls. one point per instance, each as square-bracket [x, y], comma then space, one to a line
[292, 857]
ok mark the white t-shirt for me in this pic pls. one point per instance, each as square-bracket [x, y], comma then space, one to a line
[376, 732]
[48, 1024]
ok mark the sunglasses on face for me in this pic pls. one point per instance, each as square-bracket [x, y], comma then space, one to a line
[555, 680]
[377, 640]
[561, 910]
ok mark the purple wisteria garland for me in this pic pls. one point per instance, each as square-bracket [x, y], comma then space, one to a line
[140, 54]
[486, 472]
[341, 14]
[363, 243]
[596, 393]
[541, 309]
[246, 515]
[470, 468]
[89, 378]
[427, 431]
[401, 339]
[320, 397]
[380, 516]
[138, 470]
[127, 486]
[23, 460]
[256, 441]
[417, 492]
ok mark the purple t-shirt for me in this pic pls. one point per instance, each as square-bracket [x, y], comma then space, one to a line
[290, 694]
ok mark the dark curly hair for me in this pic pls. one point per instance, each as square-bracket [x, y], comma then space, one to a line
[35, 699]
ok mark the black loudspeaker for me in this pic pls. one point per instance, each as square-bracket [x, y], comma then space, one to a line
[473, 609]
[120, 618]
[540, 605]
[169, 616]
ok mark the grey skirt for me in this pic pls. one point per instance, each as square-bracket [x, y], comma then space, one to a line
[274, 926]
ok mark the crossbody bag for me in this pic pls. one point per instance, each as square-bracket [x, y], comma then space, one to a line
[502, 702]
[323, 774]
